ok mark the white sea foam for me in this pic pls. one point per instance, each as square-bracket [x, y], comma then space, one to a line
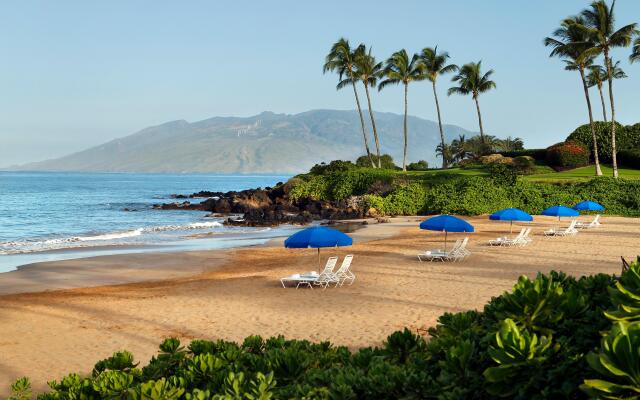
[102, 239]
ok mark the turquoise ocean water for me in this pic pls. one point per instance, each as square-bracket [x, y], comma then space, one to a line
[52, 216]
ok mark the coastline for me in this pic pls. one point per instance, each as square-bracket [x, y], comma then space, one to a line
[234, 293]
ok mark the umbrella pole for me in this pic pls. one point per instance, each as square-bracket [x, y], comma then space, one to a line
[318, 258]
[445, 241]
[511, 229]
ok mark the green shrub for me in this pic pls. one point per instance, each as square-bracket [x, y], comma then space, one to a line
[625, 138]
[524, 164]
[569, 154]
[333, 166]
[421, 165]
[503, 174]
[386, 161]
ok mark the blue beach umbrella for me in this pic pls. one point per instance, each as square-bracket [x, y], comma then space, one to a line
[588, 205]
[510, 214]
[317, 237]
[446, 223]
[560, 211]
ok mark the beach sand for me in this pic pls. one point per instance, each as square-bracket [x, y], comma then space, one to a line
[231, 294]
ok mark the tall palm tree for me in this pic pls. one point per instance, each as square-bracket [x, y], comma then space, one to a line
[635, 53]
[471, 81]
[571, 43]
[434, 65]
[368, 71]
[597, 76]
[340, 59]
[600, 24]
[399, 68]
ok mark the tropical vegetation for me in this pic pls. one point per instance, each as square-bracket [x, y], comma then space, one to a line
[551, 337]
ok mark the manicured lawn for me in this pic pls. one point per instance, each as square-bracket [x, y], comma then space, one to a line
[584, 173]
[543, 174]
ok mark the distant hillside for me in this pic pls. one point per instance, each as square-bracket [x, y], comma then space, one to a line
[264, 143]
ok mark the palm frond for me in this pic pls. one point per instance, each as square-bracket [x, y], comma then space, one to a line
[635, 52]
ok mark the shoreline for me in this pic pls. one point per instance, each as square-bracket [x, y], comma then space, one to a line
[130, 267]
[234, 293]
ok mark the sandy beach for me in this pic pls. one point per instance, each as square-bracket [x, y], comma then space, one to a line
[62, 317]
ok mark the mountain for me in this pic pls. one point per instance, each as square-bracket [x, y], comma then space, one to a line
[265, 143]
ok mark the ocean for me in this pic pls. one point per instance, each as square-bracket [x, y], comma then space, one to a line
[46, 216]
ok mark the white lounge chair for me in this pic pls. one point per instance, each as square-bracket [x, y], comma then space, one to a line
[344, 273]
[526, 238]
[458, 253]
[461, 252]
[588, 225]
[506, 241]
[568, 231]
[313, 278]
[438, 255]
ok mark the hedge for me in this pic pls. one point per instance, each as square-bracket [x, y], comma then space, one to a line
[626, 137]
[467, 195]
[553, 337]
[570, 154]
[536, 154]
[629, 158]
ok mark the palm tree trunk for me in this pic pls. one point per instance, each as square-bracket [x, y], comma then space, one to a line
[404, 156]
[475, 97]
[435, 95]
[596, 159]
[364, 134]
[604, 107]
[614, 158]
[373, 123]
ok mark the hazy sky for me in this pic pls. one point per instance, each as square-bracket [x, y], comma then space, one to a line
[78, 73]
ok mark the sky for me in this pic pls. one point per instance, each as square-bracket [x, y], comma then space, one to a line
[78, 73]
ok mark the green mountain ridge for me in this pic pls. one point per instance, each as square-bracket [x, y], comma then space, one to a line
[264, 143]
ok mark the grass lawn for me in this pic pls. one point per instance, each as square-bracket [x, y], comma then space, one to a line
[583, 174]
[543, 174]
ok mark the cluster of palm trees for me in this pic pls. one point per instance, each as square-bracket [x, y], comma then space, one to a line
[358, 65]
[462, 147]
[579, 41]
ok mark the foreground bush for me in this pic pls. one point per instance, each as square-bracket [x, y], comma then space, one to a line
[542, 340]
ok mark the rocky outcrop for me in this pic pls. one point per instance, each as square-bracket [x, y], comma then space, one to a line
[267, 207]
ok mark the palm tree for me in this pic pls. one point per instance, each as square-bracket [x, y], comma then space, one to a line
[434, 65]
[571, 43]
[400, 69]
[598, 75]
[471, 81]
[368, 71]
[635, 53]
[446, 151]
[340, 59]
[600, 24]
[510, 144]
[460, 148]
